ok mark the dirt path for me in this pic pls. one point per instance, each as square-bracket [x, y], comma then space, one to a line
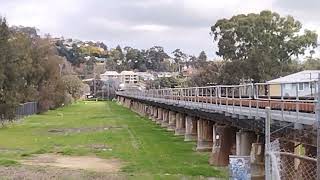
[25, 172]
[75, 162]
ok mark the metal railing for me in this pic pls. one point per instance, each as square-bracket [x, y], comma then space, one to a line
[292, 102]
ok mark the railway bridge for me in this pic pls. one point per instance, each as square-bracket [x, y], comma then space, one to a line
[231, 120]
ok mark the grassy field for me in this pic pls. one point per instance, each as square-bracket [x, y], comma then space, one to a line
[105, 130]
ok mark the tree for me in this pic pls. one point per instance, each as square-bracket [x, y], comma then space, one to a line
[209, 74]
[165, 82]
[155, 59]
[179, 59]
[311, 64]
[202, 57]
[261, 45]
[9, 81]
[201, 61]
[73, 85]
[116, 60]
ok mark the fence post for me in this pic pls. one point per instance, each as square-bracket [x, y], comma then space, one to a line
[267, 144]
[318, 126]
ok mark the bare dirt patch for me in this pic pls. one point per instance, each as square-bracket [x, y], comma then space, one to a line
[75, 162]
[24, 172]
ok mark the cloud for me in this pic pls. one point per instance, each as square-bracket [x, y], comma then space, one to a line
[172, 24]
[150, 28]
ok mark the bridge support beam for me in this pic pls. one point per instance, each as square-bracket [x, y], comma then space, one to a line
[180, 124]
[244, 142]
[172, 121]
[257, 160]
[155, 114]
[144, 109]
[224, 143]
[159, 116]
[205, 135]
[127, 103]
[165, 118]
[191, 129]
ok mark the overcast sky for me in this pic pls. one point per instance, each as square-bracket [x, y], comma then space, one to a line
[183, 24]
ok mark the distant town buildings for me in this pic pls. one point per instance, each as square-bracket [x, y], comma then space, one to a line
[166, 74]
[125, 77]
[138, 79]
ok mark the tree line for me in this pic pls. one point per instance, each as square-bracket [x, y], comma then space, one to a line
[258, 47]
[128, 58]
[32, 70]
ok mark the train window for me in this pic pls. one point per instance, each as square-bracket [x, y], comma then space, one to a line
[301, 87]
[306, 85]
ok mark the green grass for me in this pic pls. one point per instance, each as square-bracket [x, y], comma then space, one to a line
[8, 162]
[141, 145]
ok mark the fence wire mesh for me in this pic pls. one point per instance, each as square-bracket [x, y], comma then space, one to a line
[290, 161]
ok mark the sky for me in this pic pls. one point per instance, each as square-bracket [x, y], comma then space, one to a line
[183, 24]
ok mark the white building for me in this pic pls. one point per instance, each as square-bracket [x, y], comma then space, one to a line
[125, 77]
[145, 76]
[166, 74]
[110, 75]
[301, 83]
[129, 77]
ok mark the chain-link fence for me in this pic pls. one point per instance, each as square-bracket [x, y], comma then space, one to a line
[290, 161]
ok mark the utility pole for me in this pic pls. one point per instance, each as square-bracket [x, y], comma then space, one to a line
[267, 160]
[60, 69]
[108, 91]
[318, 124]
[94, 81]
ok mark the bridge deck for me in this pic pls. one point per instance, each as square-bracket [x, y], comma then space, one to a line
[237, 111]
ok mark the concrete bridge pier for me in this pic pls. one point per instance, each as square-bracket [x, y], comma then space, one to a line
[191, 129]
[143, 109]
[205, 135]
[257, 160]
[172, 121]
[136, 107]
[246, 146]
[127, 103]
[146, 110]
[155, 114]
[165, 118]
[244, 140]
[151, 112]
[223, 146]
[180, 124]
[159, 117]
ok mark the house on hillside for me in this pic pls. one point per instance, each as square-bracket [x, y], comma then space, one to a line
[145, 76]
[125, 77]
[108, 75]
[129, 77]
[300, 83]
